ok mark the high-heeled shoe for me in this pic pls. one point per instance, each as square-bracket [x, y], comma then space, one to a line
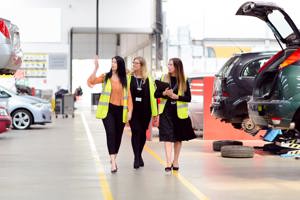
[136, 163]
[168, 169]
[174, 168]
[114, 170]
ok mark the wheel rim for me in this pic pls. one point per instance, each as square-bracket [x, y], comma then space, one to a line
[21, 120]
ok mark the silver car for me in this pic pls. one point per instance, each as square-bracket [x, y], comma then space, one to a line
[25, 110]
[10, 51]
[196, 105]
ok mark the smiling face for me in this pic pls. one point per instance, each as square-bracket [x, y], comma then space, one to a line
[114, 65]
[136, 65]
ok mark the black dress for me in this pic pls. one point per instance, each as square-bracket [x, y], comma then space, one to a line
[172, 128]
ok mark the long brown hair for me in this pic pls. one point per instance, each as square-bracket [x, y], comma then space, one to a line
[143, 64]
[181, 82]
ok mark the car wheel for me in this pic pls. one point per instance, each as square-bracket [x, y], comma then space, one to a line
[217, 145]
[249, 127]
[21, 119]
[237, 152]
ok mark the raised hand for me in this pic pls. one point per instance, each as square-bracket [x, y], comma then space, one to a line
[96, 62]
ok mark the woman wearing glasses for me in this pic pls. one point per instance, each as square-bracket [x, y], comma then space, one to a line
[144, 106]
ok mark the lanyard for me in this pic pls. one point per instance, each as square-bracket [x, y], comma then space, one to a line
[139, 84]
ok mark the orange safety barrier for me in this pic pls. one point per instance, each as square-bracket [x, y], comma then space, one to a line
[214, 129]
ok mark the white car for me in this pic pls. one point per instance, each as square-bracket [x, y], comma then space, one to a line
[10, 51]
[196, 105]
[25, 110]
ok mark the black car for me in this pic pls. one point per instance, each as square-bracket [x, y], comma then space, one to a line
[233, 87]
[276, 94]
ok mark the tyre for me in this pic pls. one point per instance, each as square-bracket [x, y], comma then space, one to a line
[21, 119]
[218, 144]
[234, 151]
[249, 127]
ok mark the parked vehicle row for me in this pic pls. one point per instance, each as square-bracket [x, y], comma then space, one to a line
[25, 110]
[233, 87]
[273, 96]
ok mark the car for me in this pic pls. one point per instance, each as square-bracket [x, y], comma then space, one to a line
[5, 120]
[233, 87]
[275, 101]
[196, 104]
[25, 110]
[10, 50]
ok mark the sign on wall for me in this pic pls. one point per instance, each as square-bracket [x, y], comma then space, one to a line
[35, 65]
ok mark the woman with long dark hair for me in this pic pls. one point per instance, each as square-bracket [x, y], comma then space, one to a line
[174, 123]
[115, 104]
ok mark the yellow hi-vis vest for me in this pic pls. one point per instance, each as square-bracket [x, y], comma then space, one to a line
[153, 102]
[182, 107]
[102, 108]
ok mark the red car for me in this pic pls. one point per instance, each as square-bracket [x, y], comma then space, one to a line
[5, 120]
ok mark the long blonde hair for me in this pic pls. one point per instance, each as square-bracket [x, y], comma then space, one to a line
[181, 82]
[143, 64]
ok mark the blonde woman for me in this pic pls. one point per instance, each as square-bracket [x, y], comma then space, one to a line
[174, 123]
[144, 106]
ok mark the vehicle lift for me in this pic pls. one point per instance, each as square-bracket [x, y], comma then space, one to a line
[274, 135]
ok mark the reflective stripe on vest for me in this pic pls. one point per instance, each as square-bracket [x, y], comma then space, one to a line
[182, 107]
[102, 108]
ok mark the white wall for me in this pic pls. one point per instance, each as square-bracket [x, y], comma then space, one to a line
[217, 19]
[45, 25]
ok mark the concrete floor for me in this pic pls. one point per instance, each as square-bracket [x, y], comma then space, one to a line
[68, 160]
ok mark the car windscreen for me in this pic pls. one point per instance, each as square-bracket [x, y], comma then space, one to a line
[11, 92]
[225, 70]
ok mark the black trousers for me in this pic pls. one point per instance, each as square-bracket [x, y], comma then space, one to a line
[114, 127]
[138, 137]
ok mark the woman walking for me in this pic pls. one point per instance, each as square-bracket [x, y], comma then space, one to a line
[115, 104]
[144, 106]
[174, 123]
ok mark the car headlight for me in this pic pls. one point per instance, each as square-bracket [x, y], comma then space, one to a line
[39, 105]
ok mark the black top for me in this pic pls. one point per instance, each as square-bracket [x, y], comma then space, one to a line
[140, 94]
[186, 96]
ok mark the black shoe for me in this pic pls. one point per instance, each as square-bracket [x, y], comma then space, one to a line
[174, 168]
[168, 169]
[136, 164]
[141, 162]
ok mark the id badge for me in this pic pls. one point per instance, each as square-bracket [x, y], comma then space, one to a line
[173, 102]
[138, 99]
[139, 88]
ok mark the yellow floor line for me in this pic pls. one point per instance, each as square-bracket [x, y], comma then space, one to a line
[106, 192]
[183, 180]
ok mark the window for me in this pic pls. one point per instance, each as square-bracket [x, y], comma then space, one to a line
[3, 94]
[251, 69]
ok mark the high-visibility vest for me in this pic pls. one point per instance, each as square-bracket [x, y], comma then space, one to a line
[153, 102]
[102, 108]
[182, 107]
